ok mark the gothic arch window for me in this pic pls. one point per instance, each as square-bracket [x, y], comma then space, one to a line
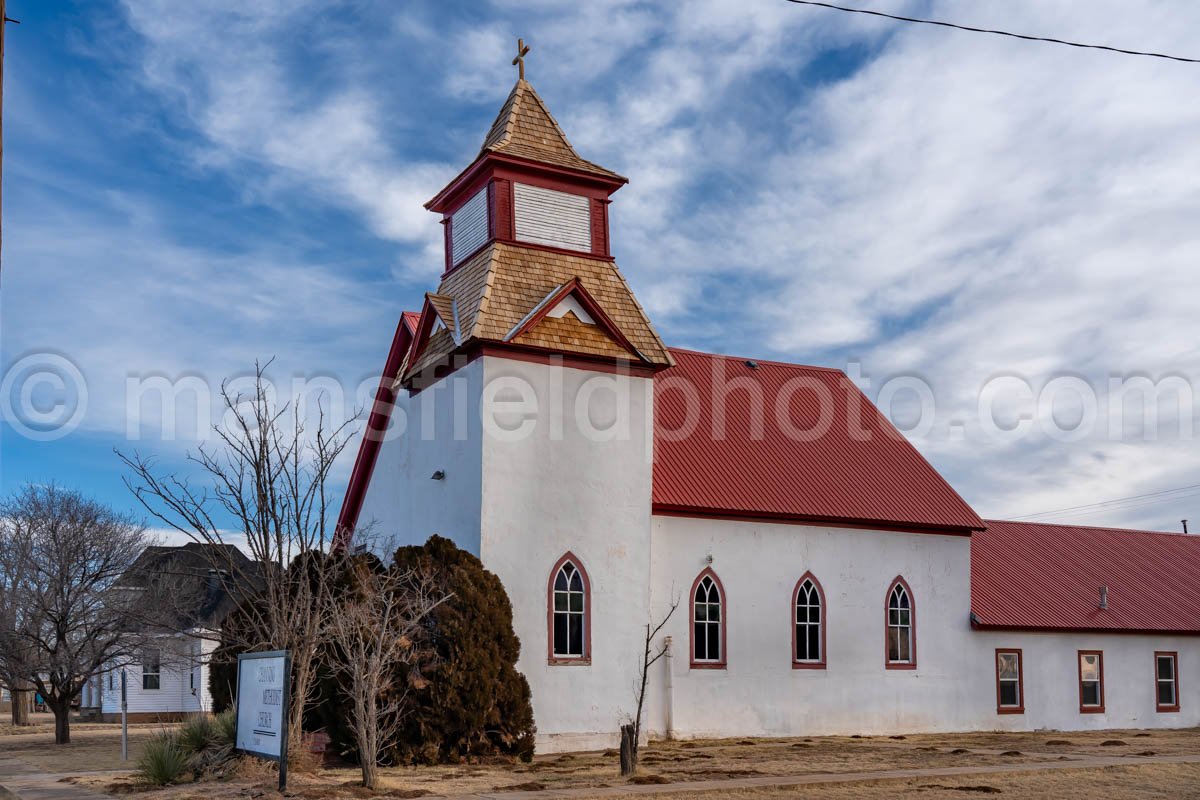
[569, 611]
[901, 626]
[709, 610]
[808, 624]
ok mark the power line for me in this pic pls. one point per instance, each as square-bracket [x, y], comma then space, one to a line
[995, 32]
[1117, 502]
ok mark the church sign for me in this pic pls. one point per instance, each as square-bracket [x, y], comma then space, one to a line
[262, 706]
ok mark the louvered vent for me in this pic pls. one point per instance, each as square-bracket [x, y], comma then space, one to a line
[469, 227]
[556, 219]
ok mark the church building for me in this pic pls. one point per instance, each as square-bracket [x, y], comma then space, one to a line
[825, 578]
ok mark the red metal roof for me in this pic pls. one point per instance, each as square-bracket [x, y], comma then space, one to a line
[797, 443]
[1048, 577]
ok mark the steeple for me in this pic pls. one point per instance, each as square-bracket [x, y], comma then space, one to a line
[528, 261]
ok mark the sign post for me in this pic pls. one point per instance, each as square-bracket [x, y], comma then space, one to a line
[124, 718]
[263, 686]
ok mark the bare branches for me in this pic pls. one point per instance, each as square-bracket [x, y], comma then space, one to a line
[62, 618]
[262, 489]
[378, 623]
[651, 654]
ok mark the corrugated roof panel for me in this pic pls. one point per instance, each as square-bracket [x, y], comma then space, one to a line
[792, 442]
[1048, 577]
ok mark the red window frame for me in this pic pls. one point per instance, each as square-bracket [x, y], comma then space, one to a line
[1019, 708]
[551, 657]
[820, 663]
[1100, 663]
[724, 623]
[1174, 656]
[912, 625]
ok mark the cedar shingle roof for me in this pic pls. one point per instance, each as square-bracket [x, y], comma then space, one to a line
[498, 287]
[526, 129]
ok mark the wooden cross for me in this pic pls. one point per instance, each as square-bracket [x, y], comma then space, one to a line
[519, 61]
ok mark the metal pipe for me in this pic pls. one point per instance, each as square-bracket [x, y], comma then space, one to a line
[668, 691]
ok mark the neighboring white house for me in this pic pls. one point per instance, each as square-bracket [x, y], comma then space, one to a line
[168, 678]
[827, 579]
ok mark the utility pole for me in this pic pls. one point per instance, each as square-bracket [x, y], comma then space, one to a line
[4, 20]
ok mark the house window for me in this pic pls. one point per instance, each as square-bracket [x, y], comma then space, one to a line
[570, 607]
[1091, 682]
[901, 624]
[1166, 681]
[1010, 693]
[112, 680]
[708, 622]
[151, 670]
[808, 630]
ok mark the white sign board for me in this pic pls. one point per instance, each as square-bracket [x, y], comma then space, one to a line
[262, 703]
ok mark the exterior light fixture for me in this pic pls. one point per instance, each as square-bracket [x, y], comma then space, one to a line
[440, 475]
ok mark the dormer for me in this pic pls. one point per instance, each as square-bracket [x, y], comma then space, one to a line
[528, 187]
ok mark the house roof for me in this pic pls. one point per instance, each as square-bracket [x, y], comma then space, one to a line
[191, 584]
[525, 128]
[827, 455]
[1048, 577]
[503, 284]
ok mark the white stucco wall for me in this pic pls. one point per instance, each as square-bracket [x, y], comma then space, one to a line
[435, 429]
[1051, 675]
[759, 693]
[183, 680]
[586, 490]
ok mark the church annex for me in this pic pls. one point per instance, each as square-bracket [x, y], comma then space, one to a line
[828, 580]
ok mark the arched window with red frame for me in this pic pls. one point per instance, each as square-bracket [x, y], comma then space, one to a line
[900, 620]
[808, 623]
[569, 612]
[709, 610]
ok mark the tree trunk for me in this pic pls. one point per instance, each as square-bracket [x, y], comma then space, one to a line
[20, 706]
[62, 721]
[629, 754]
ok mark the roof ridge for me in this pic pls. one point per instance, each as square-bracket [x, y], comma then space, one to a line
[1091, 528]
[757, 360]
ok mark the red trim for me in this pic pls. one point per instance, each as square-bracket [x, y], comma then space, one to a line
[912, 626]
[820, 663]
[1174, 656]
[542, 355]
[448, 242]
[724, 660]
[576, 287]
[1019, 708]
[672, 510]
[491, 164]
[983, 626]
[1079, 658]
[565, 661]
[373, 435]
[599, 211]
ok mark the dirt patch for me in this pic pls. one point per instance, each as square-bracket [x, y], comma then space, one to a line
[959, 751]
[529, 786]
[1112, 743]
[983, 789]
[1059, 743]
[646, 780]
[1012, 753]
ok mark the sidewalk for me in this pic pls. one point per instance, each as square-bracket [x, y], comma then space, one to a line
[19, 780]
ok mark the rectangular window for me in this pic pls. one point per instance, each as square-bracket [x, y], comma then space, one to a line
[1166, 681]
[1091, 682]
[1010, 694]
[151, 670]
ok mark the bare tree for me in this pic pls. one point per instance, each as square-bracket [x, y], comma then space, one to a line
[269, 475]
[379, 622]
[64, 617]
[631, 731]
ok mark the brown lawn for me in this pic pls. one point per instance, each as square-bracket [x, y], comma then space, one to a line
[92, 748]
[675, 762]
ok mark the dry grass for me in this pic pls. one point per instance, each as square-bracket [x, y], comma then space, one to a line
[91, 749]
[1147, 782]
[666, 763]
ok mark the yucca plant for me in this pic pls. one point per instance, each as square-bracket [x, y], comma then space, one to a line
[197, 734]
[225, 728]
[163, 760]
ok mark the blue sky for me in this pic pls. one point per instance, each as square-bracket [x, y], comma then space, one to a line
[193, 186]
